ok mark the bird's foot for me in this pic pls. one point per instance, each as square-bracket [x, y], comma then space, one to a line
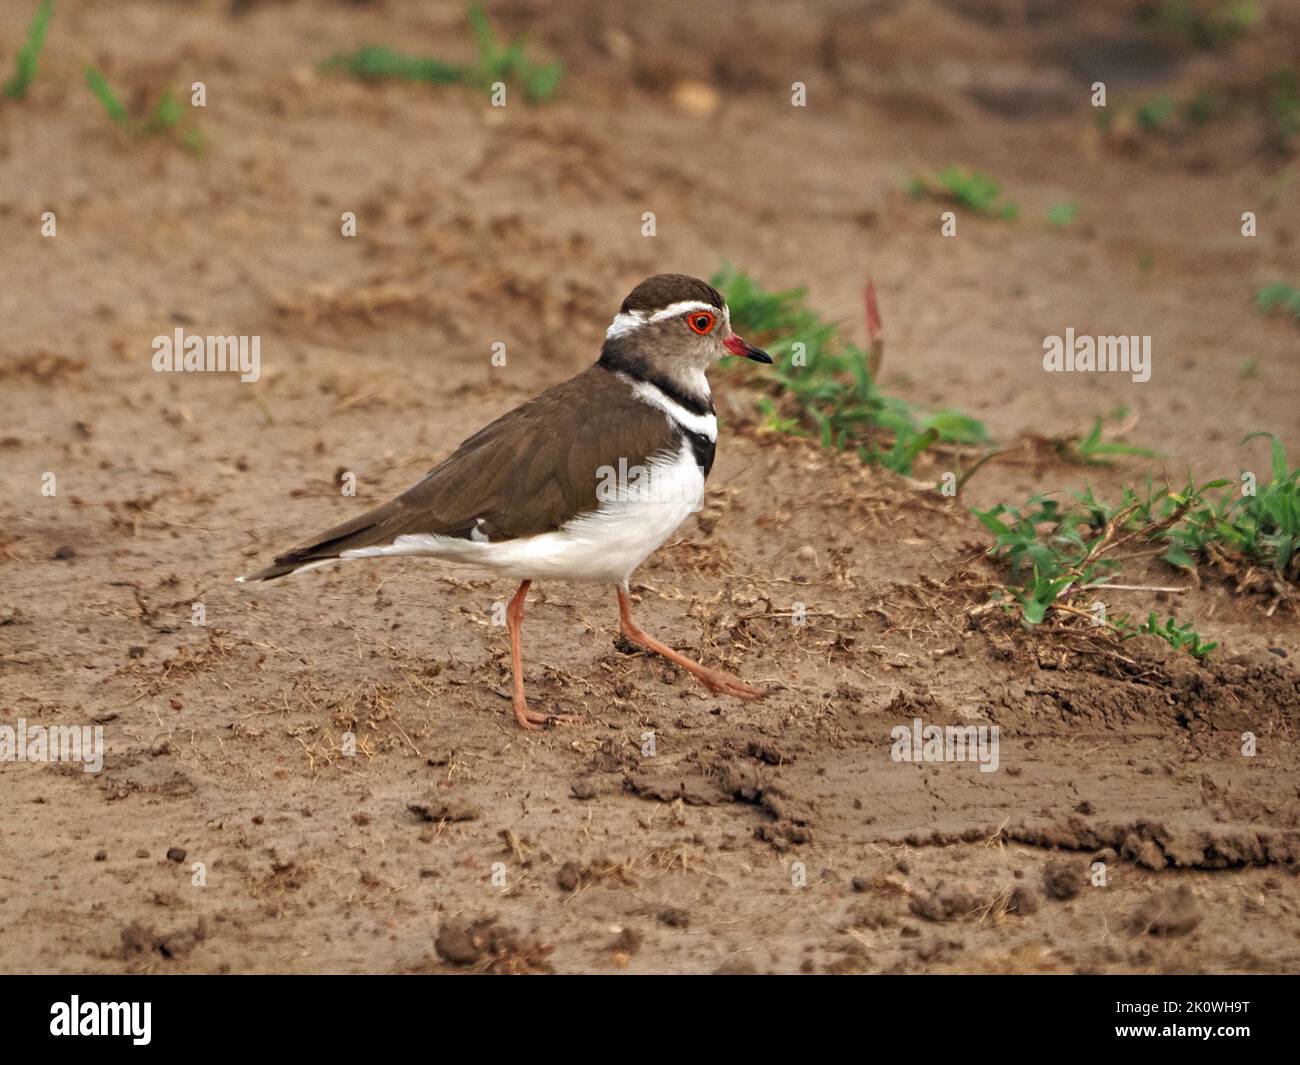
[721, 683]
[532, 721]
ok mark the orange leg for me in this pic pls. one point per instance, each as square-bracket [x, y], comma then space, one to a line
[715, 680]
[527, 719]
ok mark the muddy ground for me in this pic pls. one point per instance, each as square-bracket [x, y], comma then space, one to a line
[228, 831]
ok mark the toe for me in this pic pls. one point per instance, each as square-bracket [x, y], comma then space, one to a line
[528, 721]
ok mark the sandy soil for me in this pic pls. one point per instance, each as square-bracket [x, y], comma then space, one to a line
[776, 836]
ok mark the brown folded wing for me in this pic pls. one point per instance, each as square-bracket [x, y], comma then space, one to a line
[529, 472]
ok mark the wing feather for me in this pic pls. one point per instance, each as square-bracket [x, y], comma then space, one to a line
[529, 472]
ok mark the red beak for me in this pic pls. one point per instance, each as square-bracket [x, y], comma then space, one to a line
[745, 350]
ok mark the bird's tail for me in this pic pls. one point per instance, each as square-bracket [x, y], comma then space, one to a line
[321, 552]
[278, 569]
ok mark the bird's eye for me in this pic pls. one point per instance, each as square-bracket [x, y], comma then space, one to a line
[701, 323]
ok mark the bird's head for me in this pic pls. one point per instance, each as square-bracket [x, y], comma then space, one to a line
[674, 326]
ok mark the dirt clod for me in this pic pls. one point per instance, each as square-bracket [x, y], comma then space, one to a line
[1174, 912]
[486, 944]
[445, 810]
[1024, 900]
[1064, 878]
[946, 903]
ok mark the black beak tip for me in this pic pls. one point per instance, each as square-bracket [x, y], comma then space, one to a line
[736, 346]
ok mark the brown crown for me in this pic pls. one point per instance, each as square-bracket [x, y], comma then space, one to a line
[662, 290]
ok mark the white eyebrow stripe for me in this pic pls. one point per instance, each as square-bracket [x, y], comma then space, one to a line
[705, 425]
[674, 309]
[625, 323]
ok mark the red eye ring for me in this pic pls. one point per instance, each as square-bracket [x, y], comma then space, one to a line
[701, 321]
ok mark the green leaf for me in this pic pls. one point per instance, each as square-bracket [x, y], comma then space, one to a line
[27, 59]
[1063, 213]
[990, 520]
[168, 113]
[104, 92]
[1034, 611]
[375, 62]
[956, 427]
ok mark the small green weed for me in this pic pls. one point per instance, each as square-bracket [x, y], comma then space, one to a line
[1179, 637]
[969, 188]
[1205, 24]
[1062, 214]
[497, 63]
[1056, 552]
[1092, 450]
[1279, 298]
[166, 119]
[827, 384]
[29, 54]
[375, 61]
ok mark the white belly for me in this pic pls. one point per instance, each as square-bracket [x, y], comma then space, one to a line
[639, 511]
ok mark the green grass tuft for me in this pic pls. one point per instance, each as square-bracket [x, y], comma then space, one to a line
[166, 119]
[1092, 450]
[1273, 97]
[1062, 214]
[1205, 24]
[1278, 298]
[825, 383]
[1282, 108]
[497, 62]
[375, 62]
[1179, 637]
[969, 188]
[114, 107]
[506, 63]
[1156, 113]
[1262, 528]
[25, 63]
[1056, 552]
